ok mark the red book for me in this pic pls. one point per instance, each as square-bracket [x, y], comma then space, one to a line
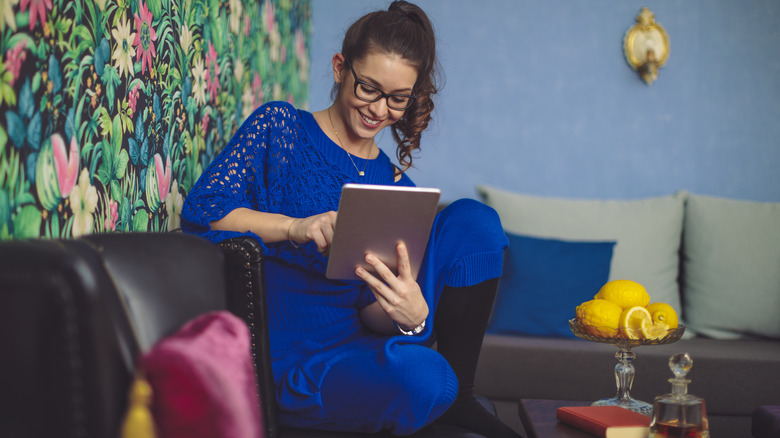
[606, 421]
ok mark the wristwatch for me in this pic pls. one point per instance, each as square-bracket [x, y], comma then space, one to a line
[415, 331]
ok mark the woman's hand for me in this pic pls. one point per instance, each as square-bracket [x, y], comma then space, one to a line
[399, 296]
[318, 228]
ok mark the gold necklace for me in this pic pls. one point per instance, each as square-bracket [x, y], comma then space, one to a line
[360, 172]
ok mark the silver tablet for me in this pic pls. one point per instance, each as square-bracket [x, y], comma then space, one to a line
[374, 218]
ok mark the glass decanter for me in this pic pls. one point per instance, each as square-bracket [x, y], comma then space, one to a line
[679, 414]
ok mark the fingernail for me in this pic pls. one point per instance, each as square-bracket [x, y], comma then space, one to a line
[369, 258]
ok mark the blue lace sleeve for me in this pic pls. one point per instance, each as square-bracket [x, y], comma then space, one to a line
[235, 178]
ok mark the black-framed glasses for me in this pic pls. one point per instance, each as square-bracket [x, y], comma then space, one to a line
[369, 93]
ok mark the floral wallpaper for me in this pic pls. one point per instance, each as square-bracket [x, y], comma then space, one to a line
[111, 109]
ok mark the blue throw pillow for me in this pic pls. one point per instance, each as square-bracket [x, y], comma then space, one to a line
[543, 282]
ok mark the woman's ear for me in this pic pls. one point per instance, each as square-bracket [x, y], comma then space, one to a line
[339, 67]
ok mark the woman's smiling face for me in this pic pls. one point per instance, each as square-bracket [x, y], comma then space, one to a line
[388, 73]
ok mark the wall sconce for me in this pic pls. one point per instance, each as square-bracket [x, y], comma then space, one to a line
[646, 46]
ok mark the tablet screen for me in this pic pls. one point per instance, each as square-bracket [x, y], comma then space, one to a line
[374, 218]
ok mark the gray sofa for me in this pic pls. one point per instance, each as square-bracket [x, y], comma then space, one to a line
[716, 260]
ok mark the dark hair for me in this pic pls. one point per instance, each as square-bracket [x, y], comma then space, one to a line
[404, 29]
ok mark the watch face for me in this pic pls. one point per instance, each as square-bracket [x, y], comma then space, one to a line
[415, 331]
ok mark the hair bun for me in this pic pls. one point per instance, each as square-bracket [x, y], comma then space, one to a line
[406, 9]
[398, 6]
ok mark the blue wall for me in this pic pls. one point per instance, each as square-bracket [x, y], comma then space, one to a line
[539, 98]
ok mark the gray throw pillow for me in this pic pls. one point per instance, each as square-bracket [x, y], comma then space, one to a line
[732, 267]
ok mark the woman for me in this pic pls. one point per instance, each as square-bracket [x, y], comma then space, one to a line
[355, 355]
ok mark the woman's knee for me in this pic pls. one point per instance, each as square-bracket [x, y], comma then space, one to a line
[471, 222]
[404, 387]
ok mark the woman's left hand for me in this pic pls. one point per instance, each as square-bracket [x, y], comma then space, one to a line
[399, 296]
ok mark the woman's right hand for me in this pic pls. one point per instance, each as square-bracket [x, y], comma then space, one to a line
[318, 228]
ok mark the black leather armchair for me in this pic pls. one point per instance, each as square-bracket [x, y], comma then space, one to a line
[76, 314]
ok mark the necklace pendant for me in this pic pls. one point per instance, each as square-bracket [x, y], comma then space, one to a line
[361, 173]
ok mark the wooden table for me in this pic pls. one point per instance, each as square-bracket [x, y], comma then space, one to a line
[538, 417]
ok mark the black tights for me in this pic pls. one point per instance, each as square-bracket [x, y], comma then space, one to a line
[460, 322]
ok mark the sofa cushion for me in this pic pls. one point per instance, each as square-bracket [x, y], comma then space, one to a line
[543, 280]
[732, 376]
[732, 267]
[647, 231]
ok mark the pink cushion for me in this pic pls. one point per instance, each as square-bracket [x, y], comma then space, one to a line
[203, 380]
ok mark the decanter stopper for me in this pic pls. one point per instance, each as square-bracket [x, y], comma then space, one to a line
[679, 414]
[680, 364]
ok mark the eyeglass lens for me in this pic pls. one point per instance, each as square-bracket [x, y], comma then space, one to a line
[369, 93]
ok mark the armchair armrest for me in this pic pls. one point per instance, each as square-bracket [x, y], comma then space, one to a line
[246, 299]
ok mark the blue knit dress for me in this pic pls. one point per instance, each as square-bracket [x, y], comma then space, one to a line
[331, 371]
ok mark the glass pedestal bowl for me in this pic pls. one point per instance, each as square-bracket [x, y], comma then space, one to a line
[624, 370]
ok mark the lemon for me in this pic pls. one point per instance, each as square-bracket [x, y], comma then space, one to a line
[656, 330]
[632, 320]
[663, 313]
[624, 293]
[600, 317]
